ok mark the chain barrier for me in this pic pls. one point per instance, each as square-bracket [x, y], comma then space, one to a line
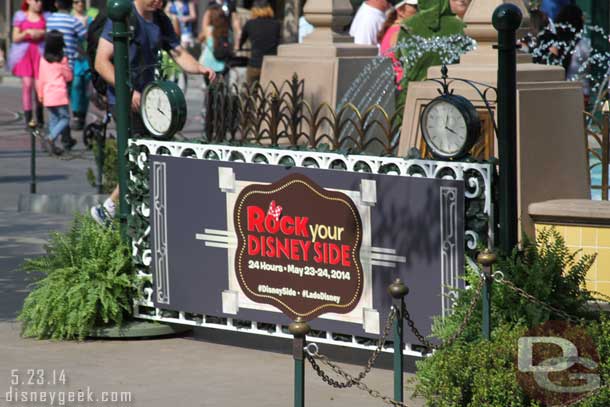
[353, 381]
[313, 356]
[458, 332]
[600, 296]
[499, 278]
[312, 350]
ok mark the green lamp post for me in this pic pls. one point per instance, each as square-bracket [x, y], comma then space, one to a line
[118, 12]
[506, 20]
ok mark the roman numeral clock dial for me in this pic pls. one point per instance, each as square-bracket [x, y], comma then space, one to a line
[450, 126]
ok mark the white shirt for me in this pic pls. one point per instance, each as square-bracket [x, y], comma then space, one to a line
[305, 28]
[366, 25]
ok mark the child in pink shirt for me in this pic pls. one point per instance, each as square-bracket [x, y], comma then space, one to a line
[52, 86]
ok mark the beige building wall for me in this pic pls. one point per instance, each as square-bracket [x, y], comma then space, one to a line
[552, 162]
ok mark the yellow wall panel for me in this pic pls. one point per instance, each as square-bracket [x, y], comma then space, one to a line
[572, 236]
[589, 237]
[589, 240]
[603, 237]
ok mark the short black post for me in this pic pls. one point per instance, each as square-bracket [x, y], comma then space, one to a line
[299, 329]
[486, 259]
[506, 20]
[32, 126]
[398, 291]
[101, 156]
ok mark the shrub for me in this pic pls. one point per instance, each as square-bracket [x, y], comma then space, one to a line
[110, 170]
[475, 372]
[545, 268]
[87, 280]
[600, 332]
[483, 373]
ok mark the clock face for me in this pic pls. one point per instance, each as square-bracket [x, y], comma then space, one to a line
[156, 111]
[445, 127]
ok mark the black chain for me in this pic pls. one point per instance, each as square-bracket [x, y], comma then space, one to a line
[458, 332]
[369, 364]
[524, 294]
[354, 381]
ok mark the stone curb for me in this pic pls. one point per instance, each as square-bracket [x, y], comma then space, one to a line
[60, 204]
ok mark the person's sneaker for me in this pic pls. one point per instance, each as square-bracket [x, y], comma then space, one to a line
[56, 150]
[47, 145]
[99, 214]
[68, 145]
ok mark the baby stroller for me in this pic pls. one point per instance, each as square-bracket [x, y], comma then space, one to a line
[96, 131]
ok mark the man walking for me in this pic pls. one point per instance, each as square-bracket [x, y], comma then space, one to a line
[154, 32]
[368, 21]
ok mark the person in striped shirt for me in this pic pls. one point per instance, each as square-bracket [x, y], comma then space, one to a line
[74, 33]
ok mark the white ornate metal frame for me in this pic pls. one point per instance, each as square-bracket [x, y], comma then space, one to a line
[478, 186]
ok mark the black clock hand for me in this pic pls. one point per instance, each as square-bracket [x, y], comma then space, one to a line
[451, 130]
[161, 111]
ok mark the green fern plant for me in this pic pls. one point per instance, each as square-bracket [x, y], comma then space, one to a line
[86, 279]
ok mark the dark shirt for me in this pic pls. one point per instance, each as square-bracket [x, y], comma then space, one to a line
[264, 35]
[144, 49]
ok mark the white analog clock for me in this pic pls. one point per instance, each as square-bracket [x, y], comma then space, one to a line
[450, 125]
[163, 109]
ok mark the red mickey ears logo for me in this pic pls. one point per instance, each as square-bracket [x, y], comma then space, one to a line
[274, 211]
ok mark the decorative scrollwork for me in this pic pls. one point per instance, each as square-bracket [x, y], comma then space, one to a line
[472, 240]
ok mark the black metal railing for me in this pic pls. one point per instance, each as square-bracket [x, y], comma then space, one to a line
[280, 116]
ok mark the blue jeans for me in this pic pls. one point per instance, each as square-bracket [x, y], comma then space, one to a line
[59, 120]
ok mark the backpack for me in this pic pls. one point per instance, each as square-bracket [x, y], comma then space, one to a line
[223, 49]
[94, 32]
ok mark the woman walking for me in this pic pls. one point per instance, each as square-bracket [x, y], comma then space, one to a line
[55, 74]
[264, 33]
[182, 14]
[185, 13]
[218, 41]
[24, 56]
[388, 36]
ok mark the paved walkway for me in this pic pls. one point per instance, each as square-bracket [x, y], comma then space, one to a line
[155, 373]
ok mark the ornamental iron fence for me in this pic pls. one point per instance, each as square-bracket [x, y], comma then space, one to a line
[479, 219]
[281, 116]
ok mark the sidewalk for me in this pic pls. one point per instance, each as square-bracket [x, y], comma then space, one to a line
[184, 371]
